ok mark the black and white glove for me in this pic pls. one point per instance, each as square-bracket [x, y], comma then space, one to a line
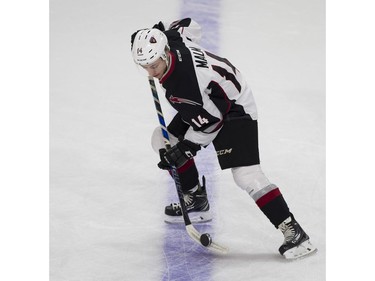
[178, 155]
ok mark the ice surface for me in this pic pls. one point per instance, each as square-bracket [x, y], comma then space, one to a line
[107, 195]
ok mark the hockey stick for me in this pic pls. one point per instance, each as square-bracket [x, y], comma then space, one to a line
[202, 239]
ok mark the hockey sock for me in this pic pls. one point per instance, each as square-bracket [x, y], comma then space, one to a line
[188, 174]
[273, 205]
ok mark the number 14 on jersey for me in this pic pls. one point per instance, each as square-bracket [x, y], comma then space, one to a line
[200, 121]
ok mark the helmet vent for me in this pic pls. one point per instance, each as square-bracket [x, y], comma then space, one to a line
[149, 46]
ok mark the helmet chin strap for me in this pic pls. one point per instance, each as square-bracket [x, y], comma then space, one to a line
[167, 61]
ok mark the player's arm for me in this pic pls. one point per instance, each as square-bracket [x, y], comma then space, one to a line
[202, 130]
[188, 28]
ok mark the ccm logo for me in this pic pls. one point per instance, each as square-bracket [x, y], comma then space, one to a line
[224, 151]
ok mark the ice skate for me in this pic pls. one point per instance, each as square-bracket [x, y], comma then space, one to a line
[296, 242]
[196, 204]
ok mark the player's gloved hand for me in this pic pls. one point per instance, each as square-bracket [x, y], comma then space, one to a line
[163, 164]
[178, 155]
[159, 26]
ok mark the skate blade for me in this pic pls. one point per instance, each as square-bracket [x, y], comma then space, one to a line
[195, 217]
[306, 248]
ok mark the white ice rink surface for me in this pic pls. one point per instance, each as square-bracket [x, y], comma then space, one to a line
[106, 194]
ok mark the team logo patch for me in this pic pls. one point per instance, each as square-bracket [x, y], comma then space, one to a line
[173, 99]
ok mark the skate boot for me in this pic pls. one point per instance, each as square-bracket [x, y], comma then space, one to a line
[296, 242]
[197, 207]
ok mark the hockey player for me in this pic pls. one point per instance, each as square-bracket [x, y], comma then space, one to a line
[213, 104]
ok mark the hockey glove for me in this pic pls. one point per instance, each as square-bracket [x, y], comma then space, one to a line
[163, 164]
[178, 155]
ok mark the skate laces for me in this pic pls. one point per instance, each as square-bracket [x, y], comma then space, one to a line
[188, 199]
[288, 230]
[191, 195]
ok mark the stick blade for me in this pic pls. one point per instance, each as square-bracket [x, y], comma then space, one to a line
[195, 235]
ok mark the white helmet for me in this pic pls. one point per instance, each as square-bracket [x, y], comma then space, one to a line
[149, 45]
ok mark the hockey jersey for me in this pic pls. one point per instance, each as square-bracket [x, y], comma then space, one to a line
[203, 87]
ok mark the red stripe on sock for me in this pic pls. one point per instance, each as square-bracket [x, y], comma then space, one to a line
[186, 166]
[266, 198]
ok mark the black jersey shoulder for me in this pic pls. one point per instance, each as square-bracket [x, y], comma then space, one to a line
[182, 82]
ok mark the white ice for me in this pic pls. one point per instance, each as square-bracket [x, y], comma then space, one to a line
[107, 195]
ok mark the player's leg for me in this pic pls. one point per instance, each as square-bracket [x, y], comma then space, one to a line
[271, 202]
[237, 147]
[195, 193]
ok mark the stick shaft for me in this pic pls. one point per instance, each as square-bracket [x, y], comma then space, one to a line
[193, 233]
[167, 143]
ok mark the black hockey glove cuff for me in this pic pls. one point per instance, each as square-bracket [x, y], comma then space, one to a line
[163, 164]
[178, 155]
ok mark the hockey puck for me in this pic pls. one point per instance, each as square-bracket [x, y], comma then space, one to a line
[206, 239]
